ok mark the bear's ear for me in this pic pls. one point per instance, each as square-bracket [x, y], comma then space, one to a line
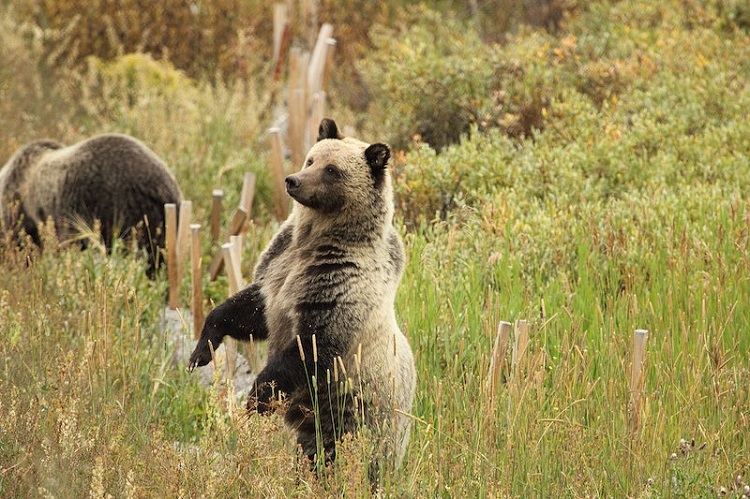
[328, 130]
[377, 156]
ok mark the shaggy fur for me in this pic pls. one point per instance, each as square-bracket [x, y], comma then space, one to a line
[329, 278]
[114, 179]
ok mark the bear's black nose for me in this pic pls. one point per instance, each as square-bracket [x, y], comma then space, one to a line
[292, 183]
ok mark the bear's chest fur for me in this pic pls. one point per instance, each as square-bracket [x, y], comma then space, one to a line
[310, 283]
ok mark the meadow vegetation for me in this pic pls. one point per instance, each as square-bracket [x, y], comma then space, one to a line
[587, 172]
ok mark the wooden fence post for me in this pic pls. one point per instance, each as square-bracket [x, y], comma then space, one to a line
[277, 172]
[318, 60]
[234, 276]
[497, 360]
[520, 346]
[197, 278]
[183, 236]
[280, 37]
[170, 215]
[216, 203]
[248, 193]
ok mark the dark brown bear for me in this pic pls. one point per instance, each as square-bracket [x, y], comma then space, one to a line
[114, 179]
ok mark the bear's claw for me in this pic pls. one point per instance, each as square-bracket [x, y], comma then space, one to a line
[201, 356]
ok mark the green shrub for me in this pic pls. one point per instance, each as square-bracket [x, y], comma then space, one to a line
[202, 38]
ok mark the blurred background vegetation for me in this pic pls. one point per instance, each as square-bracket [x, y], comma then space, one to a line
[584, 166]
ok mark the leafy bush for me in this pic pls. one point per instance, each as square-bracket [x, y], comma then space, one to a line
[429, 79]
[202, 38]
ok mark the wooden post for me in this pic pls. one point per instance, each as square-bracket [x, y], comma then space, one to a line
[521, 344]
[639, 353]
[318, 60]
[248, 193]
[237, 248]
[195, 260]
[277, 172]
[231, 263]
[310, 18]
[296, 107]
[236, 226]
[183, 236]
[330, 49]
[496, 361]
[317, 113]
[280, 37]
[216, 202]
[170, 215]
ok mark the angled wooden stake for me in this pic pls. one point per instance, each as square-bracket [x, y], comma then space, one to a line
[236, 227]
[248, 193]
[318, 60]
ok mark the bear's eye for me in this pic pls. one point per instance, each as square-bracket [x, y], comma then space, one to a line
[332, 171]
[309, 162]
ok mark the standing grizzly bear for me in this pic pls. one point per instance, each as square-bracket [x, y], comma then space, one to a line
[114, 179]
[323, 298]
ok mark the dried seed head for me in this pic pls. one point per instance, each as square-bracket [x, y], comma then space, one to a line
[673, 456]
[301, 350]
[315, 349]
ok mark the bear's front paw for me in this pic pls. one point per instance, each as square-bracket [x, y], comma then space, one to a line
[202, 354]
[262, 399]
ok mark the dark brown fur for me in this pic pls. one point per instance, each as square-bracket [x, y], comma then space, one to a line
[113, 179]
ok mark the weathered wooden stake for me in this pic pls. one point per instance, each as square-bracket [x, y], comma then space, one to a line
[520, 346]
[280, 37]
[170, 215]
[247, 194]
[277, 172]
[494, 374]
[318, 60]
[236, 226]
[183, 236]
[309, 10]
[197, 278]
[317, 113]
[330, 49]
[297, 108]
[216, 204]
[231, 263]
[237, 241]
